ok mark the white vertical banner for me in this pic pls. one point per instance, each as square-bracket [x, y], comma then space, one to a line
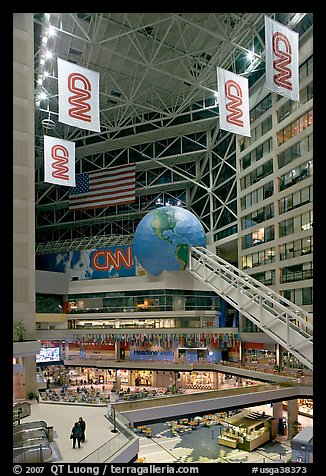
[59, 161]
[233, 93]
[282, 59]
[78, 96]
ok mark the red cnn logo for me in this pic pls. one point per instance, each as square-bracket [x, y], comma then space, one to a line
[60, 158]
[109, 258]
[80, 96]
[234, 102]
[280, 65]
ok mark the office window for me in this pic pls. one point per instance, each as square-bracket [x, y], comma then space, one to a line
[295, 127]
[297, 150]
[265, 277]
[296, 224]
[307, 297]
[258, 174]
[260, 258]
[298, 272]
[306, 68]
[297, 174]
[301, 296]
[261, 108]
[257, 216]
[295, 200]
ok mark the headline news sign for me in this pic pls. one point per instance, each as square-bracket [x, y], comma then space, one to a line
[99, 263]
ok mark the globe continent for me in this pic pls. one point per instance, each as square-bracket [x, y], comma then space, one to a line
[163, 236]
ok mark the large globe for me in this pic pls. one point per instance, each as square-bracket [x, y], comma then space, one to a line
[163, 236]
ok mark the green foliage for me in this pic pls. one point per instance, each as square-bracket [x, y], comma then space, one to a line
[20, 329]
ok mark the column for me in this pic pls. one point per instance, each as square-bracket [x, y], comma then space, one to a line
[277, 413]
[24, 184]
[30, 378]
[214, 380]
[242, 353]
[292, 418]
[278, 355]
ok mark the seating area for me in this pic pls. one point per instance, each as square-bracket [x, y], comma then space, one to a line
[184, 425]
[140, 393]
[144, 430]
[100, 395]
[82, 395]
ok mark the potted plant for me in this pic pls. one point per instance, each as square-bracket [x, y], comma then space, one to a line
[31, 395]
[20, 329]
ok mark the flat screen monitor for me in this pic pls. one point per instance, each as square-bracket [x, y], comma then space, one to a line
[48, 354]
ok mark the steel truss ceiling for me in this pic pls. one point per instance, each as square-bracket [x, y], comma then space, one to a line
[158, 110]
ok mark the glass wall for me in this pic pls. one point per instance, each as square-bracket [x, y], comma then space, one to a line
[296, 199]
[48, 303]
[295, 127]
[295, 248]
[136, 301]
[295, 151]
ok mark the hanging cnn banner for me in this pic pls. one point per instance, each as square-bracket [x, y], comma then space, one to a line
[78, 96]
[233, 102]
[59, 161]
[282, 59]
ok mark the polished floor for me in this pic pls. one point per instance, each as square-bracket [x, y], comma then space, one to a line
[62, 418]
[200, 446]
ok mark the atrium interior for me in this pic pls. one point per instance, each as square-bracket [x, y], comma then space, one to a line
[191, 291]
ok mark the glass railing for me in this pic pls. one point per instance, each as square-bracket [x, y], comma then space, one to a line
[120, 441]
[125, 309]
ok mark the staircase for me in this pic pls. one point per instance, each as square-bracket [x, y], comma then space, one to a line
[283, 321]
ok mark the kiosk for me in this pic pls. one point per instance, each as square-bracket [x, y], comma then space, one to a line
[246, 430]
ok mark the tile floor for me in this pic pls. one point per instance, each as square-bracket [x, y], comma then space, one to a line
[62, 418]
[199, 446]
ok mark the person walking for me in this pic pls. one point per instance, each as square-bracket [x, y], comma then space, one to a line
[82, 425]
[76, 434]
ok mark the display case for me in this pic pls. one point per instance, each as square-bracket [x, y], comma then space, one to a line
[226, 439]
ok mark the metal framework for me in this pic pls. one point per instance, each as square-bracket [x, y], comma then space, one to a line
[158, 110]
[288, 324]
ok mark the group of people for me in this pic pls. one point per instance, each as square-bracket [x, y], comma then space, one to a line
[78, 432]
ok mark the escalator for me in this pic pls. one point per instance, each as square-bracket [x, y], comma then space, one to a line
[31, 442]
[282, 320]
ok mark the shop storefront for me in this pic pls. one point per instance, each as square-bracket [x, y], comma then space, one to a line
[258, 353]
[198, 380]
[305, 407]
[141, 377]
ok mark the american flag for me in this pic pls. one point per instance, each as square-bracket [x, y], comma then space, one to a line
[107, 187]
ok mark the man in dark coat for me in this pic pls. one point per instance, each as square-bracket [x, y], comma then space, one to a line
[82, 425]
[76, 434]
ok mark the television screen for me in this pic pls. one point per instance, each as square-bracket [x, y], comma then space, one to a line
[48, 354]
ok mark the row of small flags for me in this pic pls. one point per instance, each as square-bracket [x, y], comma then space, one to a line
[161, 340]
[79, 107]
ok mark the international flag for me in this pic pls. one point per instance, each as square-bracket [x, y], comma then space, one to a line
[104, 188]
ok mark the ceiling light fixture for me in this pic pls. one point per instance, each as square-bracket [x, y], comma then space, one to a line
[250, 56]
[51, 31]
